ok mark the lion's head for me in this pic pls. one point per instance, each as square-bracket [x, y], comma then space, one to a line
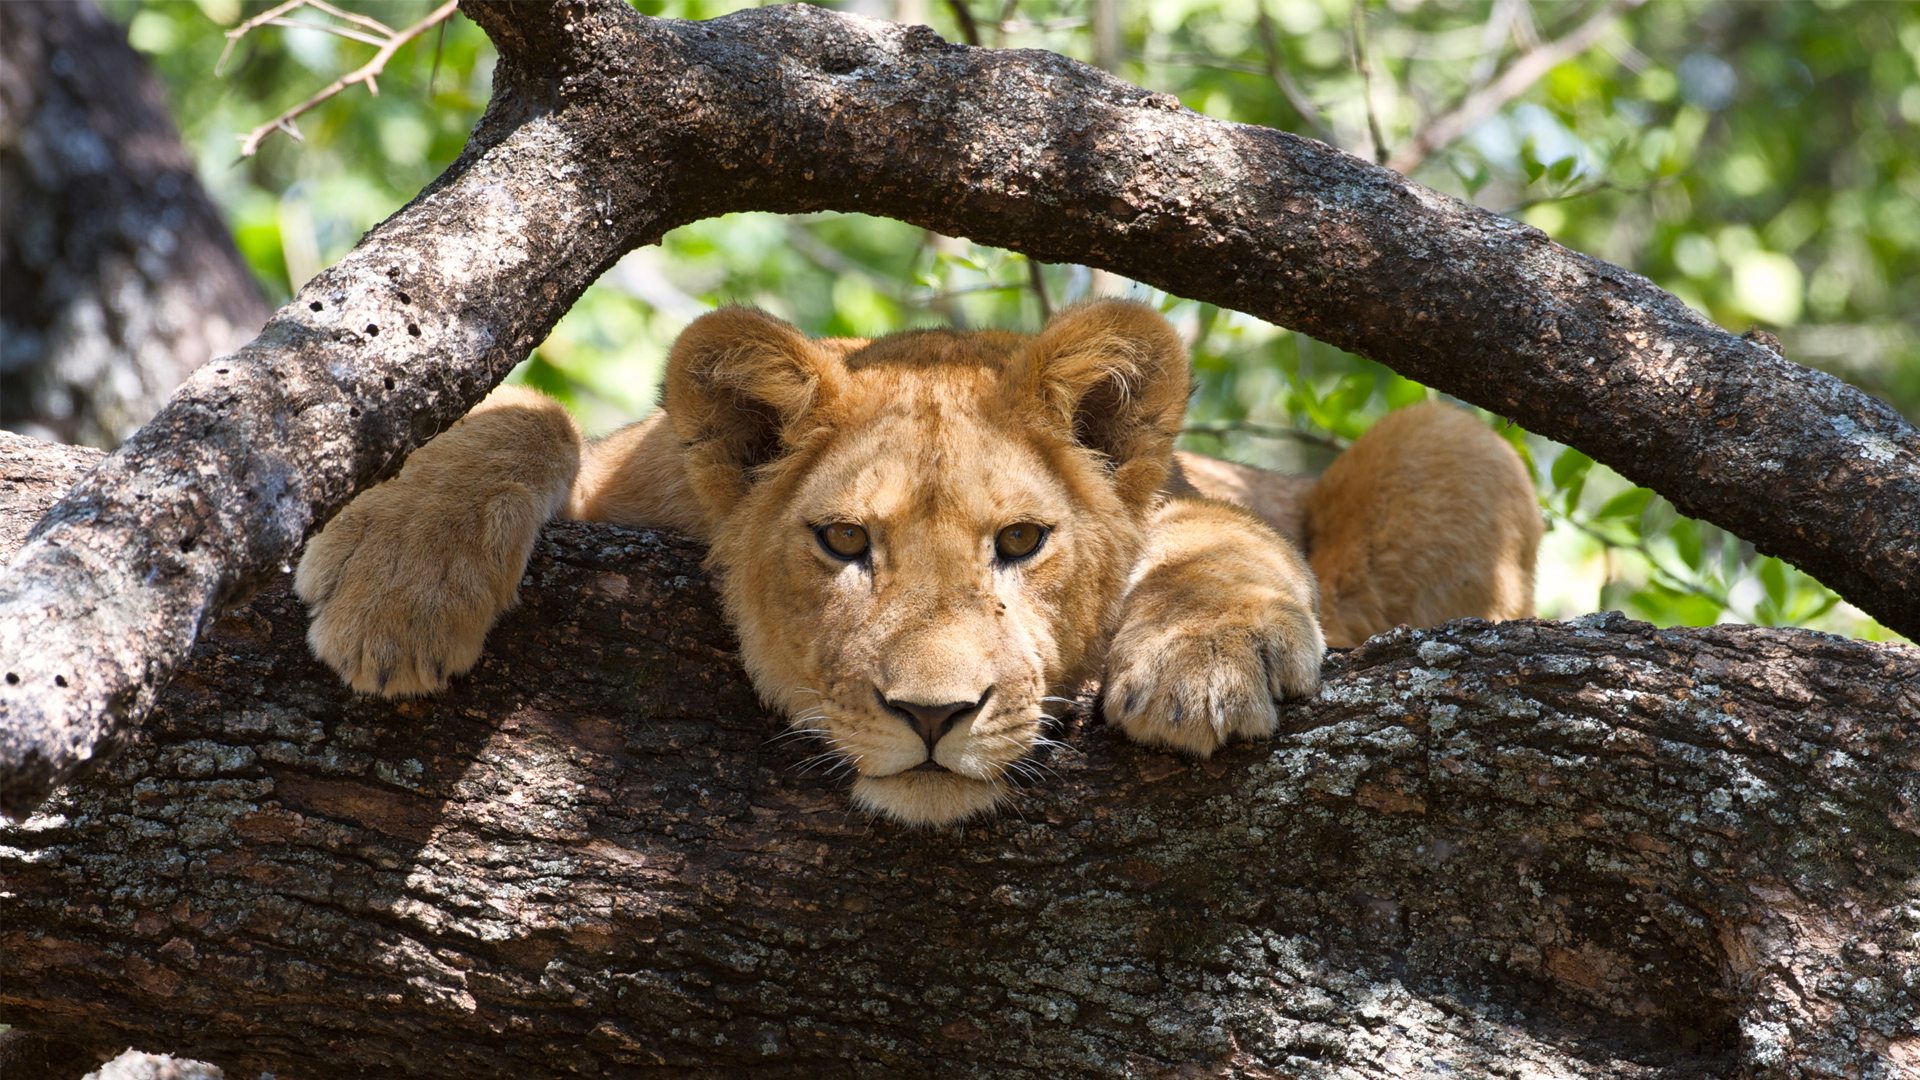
[920, 538]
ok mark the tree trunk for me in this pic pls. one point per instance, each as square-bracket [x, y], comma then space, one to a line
[117, 276]
[1592, 849]
[607, 128]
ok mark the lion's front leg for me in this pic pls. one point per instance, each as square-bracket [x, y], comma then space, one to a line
[405, 582]
[1219, 624]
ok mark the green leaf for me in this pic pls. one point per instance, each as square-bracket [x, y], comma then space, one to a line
[1773, 575]
[1627, 505]
[1685, 535]
[1569, 476]
[1530, 160]
[1570, 466]
[1401, 392]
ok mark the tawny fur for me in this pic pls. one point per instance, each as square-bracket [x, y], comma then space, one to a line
[1178, 579]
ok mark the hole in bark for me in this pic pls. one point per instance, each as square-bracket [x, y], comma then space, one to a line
[372, 330]
[315, 306]
[404, 298]
[413, 330]
[353, 410]
[12, 679]
[839, 63]
[60, 681]
[187, 543]
[388, 381]
[219, 371]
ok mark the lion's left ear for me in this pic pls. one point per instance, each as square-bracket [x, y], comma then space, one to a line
[1114, 374]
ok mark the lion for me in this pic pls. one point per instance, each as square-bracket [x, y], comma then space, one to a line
[927, 541]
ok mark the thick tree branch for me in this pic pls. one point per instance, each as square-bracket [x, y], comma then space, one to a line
[1592, 849]
[607, 128]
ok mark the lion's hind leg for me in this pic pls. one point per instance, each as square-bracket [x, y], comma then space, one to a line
[1429, 516]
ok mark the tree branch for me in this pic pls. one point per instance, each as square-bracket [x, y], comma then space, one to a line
[1592, 849]
[607, 128]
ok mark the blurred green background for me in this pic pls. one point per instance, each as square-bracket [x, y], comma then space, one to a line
[1758, 159]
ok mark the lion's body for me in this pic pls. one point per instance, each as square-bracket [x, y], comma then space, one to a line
[926, 660]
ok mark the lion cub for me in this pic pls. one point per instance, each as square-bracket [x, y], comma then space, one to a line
[920, 538]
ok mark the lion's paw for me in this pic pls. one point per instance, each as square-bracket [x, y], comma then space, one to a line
[404, 590]
[1198, 682]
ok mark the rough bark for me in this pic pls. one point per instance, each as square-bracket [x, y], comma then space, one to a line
[1592, 849]
[117, 276]
[607, 128]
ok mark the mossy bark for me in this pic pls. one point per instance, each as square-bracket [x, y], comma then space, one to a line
[1591, 849]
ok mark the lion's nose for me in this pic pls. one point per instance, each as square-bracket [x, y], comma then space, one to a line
[933, 721]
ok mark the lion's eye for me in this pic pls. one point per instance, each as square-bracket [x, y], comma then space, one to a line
[1016, 542]
[842, 539]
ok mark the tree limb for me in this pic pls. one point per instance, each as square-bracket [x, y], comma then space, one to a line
[1592, 849]
[608, 128]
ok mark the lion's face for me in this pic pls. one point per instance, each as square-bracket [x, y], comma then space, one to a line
[935, 534]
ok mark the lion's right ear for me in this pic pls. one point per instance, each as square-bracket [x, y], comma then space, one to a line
[741, 386]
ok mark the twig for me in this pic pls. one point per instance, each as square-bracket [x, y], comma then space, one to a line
[968, 28]
[1265, 431]
[1525, 70]
[347, 32]
[1639, 546]
[1106, 34]
[278, 10]
[1270, 50]
[936, 299]
[439, 46]
[366, 73]
[1039, 282]
[1509, 20]
[1365, 68]
[825, 256]
[1590, 189]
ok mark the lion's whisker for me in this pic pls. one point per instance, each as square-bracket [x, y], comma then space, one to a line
[830, 757]
[794, 734]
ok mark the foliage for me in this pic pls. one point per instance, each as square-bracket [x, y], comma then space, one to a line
[1759, 160]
